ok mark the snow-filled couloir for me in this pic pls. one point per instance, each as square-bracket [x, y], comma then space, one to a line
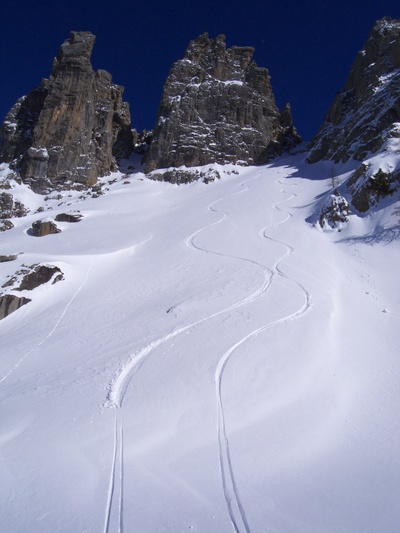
[212, 359]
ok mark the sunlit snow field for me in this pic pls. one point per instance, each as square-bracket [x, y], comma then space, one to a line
[212, 362]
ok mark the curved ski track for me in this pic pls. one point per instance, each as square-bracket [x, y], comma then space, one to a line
[118, 386]
[231, 493]
[52, 330]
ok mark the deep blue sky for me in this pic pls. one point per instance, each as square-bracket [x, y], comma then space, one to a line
[308, 46]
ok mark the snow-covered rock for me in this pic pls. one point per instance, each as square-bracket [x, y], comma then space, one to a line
[335, 212]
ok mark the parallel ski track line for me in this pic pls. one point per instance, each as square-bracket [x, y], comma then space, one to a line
[116, 485]
[111, 486]
[229, 484]
[119, 385]
[52, 330]
[121, 480]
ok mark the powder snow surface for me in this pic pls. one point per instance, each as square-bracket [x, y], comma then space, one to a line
[212, 362]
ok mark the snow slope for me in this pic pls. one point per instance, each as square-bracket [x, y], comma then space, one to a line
[212, 362]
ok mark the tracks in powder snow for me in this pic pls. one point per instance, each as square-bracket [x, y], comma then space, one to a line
[116, 483]
[118, 386]
[233, 501]
[52, 330]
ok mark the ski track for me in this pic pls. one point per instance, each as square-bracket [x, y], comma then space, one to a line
[118, 387]
[116, 485]
[229, 485]
[51, 332]
[121, 480]
[111, 485]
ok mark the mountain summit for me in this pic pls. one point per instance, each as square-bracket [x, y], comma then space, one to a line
[218, 107]
[206, 358]
[68, 130]
[363, 122]
[367, 111]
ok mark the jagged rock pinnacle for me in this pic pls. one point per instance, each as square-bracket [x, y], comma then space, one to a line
[70, 129]
[363, 113]
[217, 106]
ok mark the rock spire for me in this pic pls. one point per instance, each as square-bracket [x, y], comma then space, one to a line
[364, 119]
[72, 128]
[364, 113]
[218, 106]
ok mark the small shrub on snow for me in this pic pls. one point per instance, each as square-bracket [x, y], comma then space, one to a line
[335, 212]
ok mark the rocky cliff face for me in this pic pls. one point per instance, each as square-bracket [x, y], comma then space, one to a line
[218, 106]
[72, 128]
[363, 122]
[364, 114]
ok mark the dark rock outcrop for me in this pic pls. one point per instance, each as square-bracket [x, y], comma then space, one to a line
[10, 208]
[218, 107]
[72, 128]
[364, 113]
[6, 225]
[38, 276]
[180, 176]
[16, 132]
[28, 278]
[41, 228]
[368, 186]
[7, 258]
[364, 119]
[10, 303]
[68, 217]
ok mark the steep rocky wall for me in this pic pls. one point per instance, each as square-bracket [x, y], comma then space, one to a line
[363, 123]
[218, 106]
[17, 129]
[364, 114]
[71, 128]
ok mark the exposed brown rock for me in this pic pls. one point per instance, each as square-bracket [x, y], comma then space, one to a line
[7, 258]
[42, 228]
[10, 303]
[72, 128]
[16, 132]
[38, 276]
[68, 217]
[6, 225]
[9, 207]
